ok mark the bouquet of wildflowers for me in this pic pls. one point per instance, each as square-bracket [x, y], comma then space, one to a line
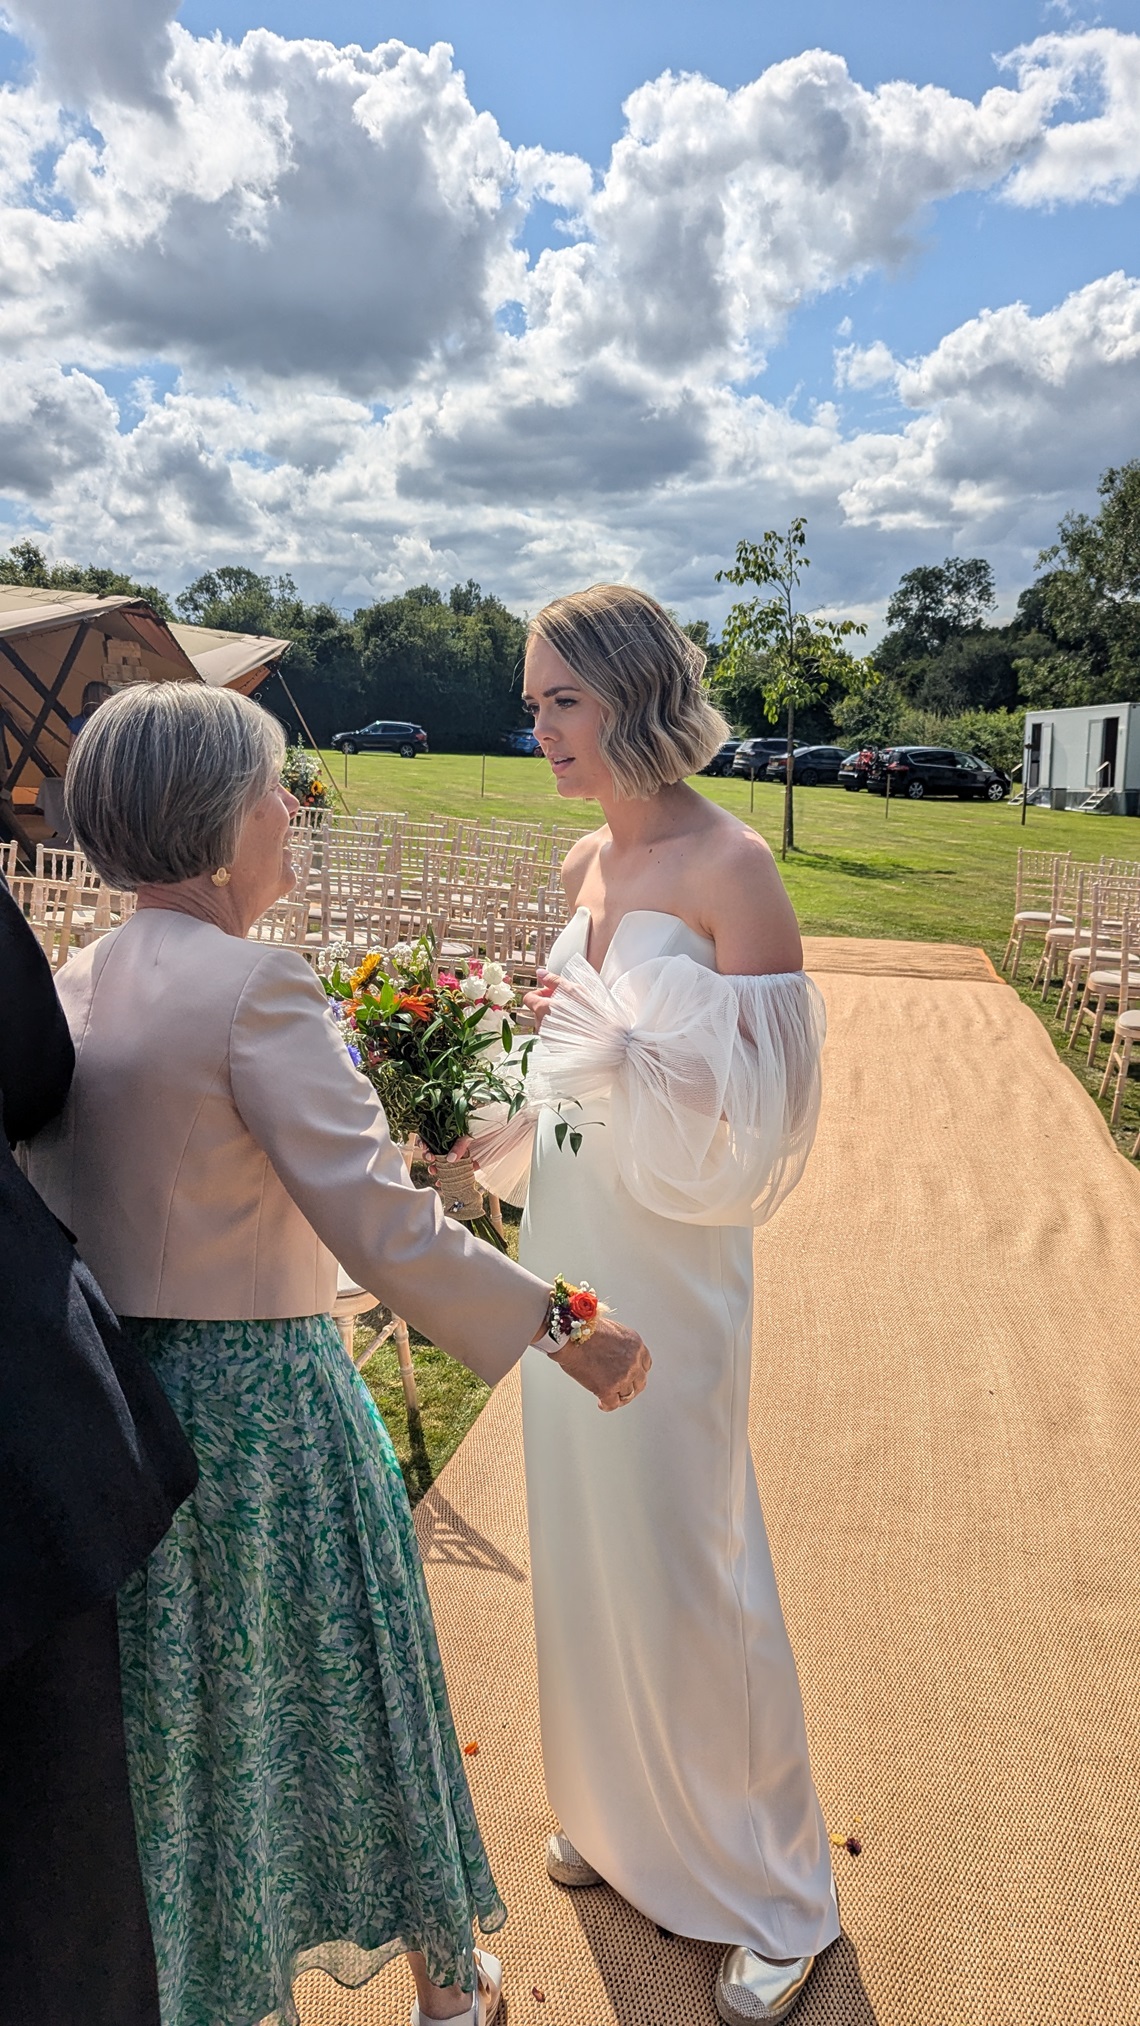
[431, 1044]
[301, 774]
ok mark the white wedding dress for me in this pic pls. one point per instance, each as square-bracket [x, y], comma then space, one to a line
[672, 1726]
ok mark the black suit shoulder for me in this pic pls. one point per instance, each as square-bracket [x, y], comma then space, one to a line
[36, 1055]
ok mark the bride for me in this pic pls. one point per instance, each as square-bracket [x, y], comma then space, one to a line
[679, 1051]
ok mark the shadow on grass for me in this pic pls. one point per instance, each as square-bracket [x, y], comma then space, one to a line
[891, 869]
[418, 1473]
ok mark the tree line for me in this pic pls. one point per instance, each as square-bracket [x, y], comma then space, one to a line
[942, 673]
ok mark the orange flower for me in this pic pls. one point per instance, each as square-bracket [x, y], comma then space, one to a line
[470, 1750]
[583, 1305]
[418, 1004]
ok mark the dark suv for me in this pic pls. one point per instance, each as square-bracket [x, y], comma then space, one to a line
[935, 770]
[387, 735]
[752, 756]
[810, 765]
[722, 759]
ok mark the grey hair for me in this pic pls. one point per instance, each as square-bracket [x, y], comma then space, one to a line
[161, 777]
[657, 722]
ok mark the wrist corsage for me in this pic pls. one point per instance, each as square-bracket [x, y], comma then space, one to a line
[572, 1317]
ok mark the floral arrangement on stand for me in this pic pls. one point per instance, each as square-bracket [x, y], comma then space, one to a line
[432, 1044]
[301, 774]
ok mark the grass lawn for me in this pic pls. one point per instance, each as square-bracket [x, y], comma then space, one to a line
[931, 871]
[450, 1396]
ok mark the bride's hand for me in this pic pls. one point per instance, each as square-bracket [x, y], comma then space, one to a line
[613, 1363]
[455, 1153]
[537, 1003]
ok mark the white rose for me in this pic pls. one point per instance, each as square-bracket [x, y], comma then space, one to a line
[473, 990]
[493, 974]
[500, 995]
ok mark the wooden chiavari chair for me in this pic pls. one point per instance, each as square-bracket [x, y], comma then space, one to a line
[1109, 965]
[1126, 1029]
[1065, 923]
[49, 906]
[1033, 900]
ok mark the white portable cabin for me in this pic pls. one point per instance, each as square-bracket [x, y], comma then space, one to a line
[1087, 757]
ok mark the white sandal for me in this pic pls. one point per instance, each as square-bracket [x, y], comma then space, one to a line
[489, 1989]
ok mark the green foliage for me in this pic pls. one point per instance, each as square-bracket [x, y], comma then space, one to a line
[1089, 603]
[936, 603]
[454, 667]
[322, 668]
[27, 564]
[789, 657]
[1075, 639]
[880, 715]
[871, 715]
[937, 650]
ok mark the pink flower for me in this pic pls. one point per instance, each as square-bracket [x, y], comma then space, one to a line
[449, 981]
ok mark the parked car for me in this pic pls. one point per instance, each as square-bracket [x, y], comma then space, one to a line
[522, 742]
[752, 755]
[387, 735]
[722, 759]
[856, 768]
[811, 766]
[918, 771]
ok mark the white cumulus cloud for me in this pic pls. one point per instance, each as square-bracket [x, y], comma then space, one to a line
[318, 252]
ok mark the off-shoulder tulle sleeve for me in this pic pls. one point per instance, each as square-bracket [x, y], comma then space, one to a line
[713, 1082]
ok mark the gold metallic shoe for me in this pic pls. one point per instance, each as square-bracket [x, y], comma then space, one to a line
[749, 1989]
[567, 1866]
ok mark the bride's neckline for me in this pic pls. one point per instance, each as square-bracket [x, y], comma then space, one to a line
[631, 913]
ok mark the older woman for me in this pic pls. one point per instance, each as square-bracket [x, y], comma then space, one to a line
[299, 1792]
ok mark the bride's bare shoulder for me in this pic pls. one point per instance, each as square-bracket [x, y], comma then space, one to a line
[578, 861]
[746, 908]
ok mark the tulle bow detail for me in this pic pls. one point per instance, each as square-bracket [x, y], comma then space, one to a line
[713, 1081]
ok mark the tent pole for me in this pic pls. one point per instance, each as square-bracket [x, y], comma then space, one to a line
[311, 739]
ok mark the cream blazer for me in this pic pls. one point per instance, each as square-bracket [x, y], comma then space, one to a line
[218, 1153]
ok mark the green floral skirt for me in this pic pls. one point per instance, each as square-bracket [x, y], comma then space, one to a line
[298, 1788]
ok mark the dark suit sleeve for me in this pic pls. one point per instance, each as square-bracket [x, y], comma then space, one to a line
[36, 1055]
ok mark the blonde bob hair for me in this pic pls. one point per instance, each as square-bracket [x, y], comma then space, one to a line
[657, 722]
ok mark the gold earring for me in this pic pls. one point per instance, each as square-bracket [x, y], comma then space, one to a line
[222, 876]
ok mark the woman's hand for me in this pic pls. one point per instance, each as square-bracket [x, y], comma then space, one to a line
[537, 1003]
[455, 1153]
[613, 1363]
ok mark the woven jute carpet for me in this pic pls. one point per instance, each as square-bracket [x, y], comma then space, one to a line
[946, 1421]
[881, 959]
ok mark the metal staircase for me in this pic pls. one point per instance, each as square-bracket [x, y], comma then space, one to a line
[1099, 802]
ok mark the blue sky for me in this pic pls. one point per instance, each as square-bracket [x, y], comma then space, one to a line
[567, 347]
[555, 75]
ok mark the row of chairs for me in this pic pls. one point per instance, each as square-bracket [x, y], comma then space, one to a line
[65, 901]
[1087, 921]
[367, 882]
